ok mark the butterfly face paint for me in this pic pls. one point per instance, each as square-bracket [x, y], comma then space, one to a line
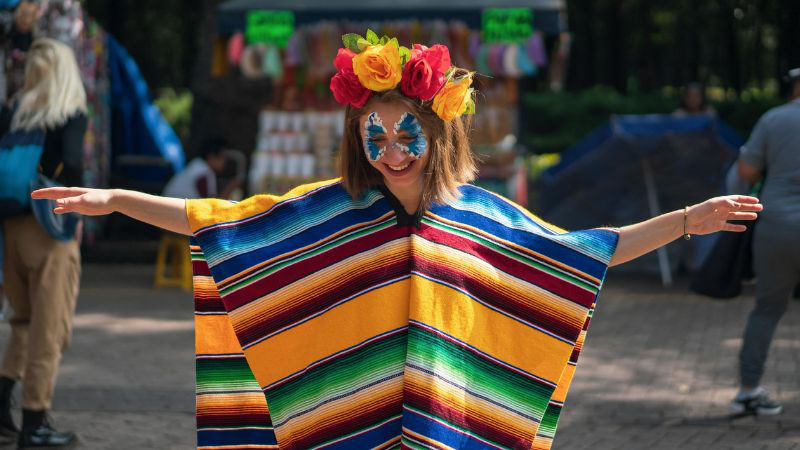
[418, 144]
[373, 127]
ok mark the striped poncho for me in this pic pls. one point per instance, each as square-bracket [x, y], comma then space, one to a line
[328, 322]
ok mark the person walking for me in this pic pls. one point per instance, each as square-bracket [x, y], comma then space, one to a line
[42, 273]
[773, 154]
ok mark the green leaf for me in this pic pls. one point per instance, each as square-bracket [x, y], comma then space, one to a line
[405, 55]
[393, 41]
[362, 44]
[470, 104]
[372, 38]
[350, 41]
[384, 40]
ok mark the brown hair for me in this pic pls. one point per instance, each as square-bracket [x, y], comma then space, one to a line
[451, 160]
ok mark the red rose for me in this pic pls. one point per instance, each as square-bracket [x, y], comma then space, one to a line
[347, 89]
[344, 59]
[424, 73]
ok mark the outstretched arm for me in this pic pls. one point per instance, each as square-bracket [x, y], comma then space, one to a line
[163, 212]
[704, 218]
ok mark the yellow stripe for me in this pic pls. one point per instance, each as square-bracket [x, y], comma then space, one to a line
[560, 394]
[530, 295]
[333, 278]
[369, 315]
[490, 332]
[214, 335]
[206, 212]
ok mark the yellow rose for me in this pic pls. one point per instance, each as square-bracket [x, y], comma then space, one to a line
[379, 67]
[452, 100]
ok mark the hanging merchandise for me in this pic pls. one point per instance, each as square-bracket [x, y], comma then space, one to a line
[235, 48]
[536, 50]
[252, 65]
[272, 66]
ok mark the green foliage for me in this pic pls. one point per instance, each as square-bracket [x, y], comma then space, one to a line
[552, 122]
[177, 110]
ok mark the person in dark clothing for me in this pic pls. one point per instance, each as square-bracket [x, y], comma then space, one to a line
[42, 273]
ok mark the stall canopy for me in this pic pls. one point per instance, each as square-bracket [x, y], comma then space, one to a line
[636, 167]
[547, 15]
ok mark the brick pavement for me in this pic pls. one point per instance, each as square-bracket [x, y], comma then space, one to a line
[657, 372]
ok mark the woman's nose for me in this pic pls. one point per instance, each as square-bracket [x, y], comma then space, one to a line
[394, 154]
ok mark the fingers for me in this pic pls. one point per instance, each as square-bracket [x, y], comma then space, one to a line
[742, 216]
[744, 199]
[56, 193]
[734, 227]
[745, 203]
[68, 204]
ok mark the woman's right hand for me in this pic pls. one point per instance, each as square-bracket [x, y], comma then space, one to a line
[86, 201]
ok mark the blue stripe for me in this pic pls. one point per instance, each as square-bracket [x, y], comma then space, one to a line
[221, 243]
[597, 241]
[245, 437]
[423, 426]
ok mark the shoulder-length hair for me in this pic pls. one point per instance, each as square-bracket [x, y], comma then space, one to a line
[451, 162]
[53, 90]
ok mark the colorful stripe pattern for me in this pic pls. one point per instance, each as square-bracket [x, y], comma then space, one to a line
[461, 332]
[231, 408]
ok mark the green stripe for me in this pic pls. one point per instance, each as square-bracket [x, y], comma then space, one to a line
[338, 376]
[482, 377]
[299, 258]
[224, 374]
[516, 256]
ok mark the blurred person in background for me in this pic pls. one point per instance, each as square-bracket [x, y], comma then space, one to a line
[42, 273]
[693, 101]
[199, 178]
[772, 154]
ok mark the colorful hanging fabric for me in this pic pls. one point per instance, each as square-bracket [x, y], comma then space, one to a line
[366, 327]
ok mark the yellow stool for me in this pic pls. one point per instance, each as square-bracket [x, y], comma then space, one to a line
[174, 250]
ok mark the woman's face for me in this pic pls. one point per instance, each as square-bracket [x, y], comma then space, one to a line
[396, 145]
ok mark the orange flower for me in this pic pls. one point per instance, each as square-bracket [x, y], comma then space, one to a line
[453, 99]
[379, 67]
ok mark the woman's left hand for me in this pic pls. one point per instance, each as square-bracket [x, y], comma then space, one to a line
[713, 215]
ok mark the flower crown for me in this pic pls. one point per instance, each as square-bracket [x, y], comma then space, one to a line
[371, 64]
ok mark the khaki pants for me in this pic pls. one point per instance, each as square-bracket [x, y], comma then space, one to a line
[41, 283]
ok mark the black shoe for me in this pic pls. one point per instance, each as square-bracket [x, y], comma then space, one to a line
[7, 426]
[758, 403]
[38, 433]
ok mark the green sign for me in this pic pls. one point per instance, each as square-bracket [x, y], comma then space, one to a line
[269, 27]
[507, 24]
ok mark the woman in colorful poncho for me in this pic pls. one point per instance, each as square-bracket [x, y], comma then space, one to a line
[398, 304]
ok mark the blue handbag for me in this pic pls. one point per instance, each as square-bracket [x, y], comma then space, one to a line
[20, 152]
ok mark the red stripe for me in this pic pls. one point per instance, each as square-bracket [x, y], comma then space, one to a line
[298, 271]
[511, 266]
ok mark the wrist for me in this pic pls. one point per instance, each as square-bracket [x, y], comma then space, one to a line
[115, 197]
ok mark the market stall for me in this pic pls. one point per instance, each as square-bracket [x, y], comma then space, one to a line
[294, 44]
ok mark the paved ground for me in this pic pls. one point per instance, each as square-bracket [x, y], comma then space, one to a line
[657, 372]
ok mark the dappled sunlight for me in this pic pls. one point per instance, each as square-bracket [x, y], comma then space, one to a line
[130, 325]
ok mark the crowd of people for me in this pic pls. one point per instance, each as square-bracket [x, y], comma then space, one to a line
[405, 164]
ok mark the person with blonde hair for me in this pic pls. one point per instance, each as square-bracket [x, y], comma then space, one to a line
[398, 304]
[41, 272]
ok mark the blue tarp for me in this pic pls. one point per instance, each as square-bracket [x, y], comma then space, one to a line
[601, 181]
[637, 166]
[138, 128]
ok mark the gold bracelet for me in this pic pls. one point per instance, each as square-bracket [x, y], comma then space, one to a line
[686, 235]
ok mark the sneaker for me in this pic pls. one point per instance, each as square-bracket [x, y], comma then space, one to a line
[756, 403]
